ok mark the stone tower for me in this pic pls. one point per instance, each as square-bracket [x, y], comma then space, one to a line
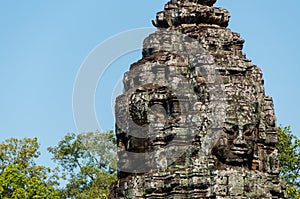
[194, 120]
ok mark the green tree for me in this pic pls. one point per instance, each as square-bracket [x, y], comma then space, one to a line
[20, 177]
[289, 160]
[89, 162]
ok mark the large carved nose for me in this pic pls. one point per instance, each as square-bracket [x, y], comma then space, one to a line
[239, 141]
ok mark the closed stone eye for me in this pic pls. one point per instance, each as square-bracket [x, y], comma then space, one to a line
[248, 133]
[248, 129]
[228, 131]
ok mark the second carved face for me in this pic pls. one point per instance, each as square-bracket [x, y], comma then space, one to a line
[236, 145]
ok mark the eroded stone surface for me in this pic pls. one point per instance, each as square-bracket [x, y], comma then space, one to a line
[194, 94]
[186, 12]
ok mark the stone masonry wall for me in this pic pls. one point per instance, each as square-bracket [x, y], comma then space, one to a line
[194, 120]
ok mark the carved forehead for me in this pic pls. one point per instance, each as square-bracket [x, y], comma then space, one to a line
[242, 113]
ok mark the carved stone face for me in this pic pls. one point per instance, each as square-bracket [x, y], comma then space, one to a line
[236, 144]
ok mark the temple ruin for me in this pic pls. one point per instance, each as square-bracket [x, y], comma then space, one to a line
[193, 120]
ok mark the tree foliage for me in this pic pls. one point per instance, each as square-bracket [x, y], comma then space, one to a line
[89, 162]
[20, 177]
[289, 160]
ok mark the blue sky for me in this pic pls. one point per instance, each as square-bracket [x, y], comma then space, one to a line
[43, 44]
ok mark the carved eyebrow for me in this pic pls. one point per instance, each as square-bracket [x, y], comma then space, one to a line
[232, 126]
[231, 123]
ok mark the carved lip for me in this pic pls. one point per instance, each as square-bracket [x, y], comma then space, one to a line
[239, 151]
